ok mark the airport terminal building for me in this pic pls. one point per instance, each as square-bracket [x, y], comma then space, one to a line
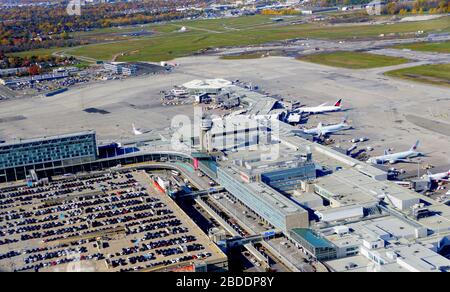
[267, 202]
[18, 158]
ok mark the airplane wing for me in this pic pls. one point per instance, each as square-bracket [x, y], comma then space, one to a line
[404, 160]
[323, 104]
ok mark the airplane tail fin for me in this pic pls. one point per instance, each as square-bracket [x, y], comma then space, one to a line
[339, 103]
[136, 132]
[345, 120]
[319, 129]
[415, 146]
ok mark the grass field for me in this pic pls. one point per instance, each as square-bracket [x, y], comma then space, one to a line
[38, 52]
[443, 47]
[353, 60]
[167, 43]
[433, 74]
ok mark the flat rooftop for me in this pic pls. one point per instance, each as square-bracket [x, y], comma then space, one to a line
[266, 158]
[99, 222]
[312, 238]
[269, 195]
[258, 104]
[208, 84]
[349, 187]
[40, 139]
[403, 251]
[360, 263]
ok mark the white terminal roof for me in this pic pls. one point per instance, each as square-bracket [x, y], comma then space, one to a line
[401, 254]
[207, 84]
[41, 139]
[269, 195]
[266, 158]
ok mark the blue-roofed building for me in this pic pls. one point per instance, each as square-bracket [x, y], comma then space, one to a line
[315, 245]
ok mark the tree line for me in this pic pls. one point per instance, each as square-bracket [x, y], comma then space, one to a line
[33, 27]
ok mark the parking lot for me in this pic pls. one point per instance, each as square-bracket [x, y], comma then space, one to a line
[104, 222]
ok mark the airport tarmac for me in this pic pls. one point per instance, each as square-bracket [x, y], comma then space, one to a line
[429, 57]
[377, 105]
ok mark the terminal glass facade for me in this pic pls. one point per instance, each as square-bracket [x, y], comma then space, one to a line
[258, 203]
[48, 152]
[318, 247]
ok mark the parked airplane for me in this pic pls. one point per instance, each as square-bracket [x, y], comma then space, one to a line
[397, 157]
[321, 130]
[438, 177]
[323, 108]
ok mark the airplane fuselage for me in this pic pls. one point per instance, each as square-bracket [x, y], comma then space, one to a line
[394, 158]
[326, 129]
[439, 176]
[320, 109]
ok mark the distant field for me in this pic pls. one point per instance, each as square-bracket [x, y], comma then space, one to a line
[353, 60]
[434, 74]
[167, 43]
[39, 52]
[427, 47]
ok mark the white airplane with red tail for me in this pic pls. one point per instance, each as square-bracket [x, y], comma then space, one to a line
[321, 109]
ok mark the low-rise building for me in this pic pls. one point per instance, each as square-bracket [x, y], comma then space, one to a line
[12, 71]
[120, 68]
[33, 79]
[313, 244]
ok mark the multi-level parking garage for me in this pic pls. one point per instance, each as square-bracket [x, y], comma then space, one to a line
[110, 221]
